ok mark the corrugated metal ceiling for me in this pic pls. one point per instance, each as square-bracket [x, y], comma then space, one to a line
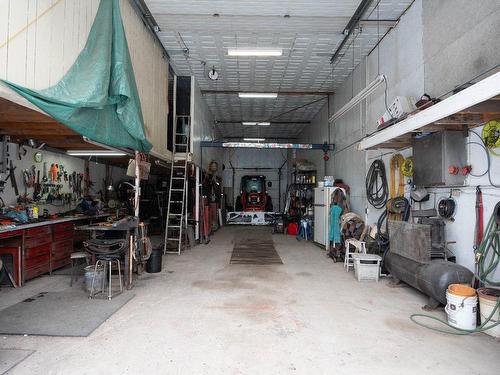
[308, 35]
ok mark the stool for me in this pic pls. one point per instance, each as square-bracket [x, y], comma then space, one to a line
[75, 260]
[107, 252]
[360, 247]
[106, 262]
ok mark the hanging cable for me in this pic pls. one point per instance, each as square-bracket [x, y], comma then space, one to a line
[376, 184]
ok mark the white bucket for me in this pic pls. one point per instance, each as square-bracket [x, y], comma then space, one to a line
[461, 311]
[486, 306]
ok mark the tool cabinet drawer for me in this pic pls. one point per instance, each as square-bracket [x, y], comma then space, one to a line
[58, 263]
[37, 241]
[36, 271]
[62, 249]
[63, 227]
[38, 231]
[64, 235]
[37, 251]
[37, 261]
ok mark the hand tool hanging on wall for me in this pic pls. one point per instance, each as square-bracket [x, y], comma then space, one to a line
[12, 177]
[54, 170]
[37, 191]
[5, 154]
[44, 177]
[21, 151]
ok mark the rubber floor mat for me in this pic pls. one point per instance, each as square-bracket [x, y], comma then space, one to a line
[255, 251]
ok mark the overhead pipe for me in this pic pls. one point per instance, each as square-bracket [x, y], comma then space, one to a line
[351, 25]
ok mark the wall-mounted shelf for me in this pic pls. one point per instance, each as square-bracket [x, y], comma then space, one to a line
[466, 109]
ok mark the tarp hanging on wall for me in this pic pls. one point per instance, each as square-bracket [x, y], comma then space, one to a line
[98, 96]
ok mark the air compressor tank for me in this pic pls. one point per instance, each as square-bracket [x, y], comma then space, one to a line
[431, 278]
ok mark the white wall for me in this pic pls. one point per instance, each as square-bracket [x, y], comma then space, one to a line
[248, 158]
[202, 129]
[41, 39]
[435, 47]
[461, 41]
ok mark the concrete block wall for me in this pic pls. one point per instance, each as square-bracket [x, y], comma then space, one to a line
[437, 46]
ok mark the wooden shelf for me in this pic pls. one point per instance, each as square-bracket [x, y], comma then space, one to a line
[469, 108]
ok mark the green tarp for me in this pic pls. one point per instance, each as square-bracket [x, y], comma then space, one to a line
[98, 95]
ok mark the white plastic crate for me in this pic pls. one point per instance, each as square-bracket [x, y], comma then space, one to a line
[366, 266]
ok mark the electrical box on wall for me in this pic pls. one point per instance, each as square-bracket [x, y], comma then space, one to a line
[439, 158]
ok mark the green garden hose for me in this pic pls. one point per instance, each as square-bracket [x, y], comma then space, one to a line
[487, 258]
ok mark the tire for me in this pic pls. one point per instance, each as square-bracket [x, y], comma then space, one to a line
[238, 205]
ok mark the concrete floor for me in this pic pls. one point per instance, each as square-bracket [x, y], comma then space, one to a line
[204, 316]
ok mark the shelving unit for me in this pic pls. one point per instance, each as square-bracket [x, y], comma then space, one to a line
[469, 108]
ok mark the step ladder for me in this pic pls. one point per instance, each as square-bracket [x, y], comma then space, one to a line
[177, 207]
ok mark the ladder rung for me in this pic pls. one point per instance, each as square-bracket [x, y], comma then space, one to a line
[177, 178]
[172, 239]
[171, 214]
[181, 133]
[180, 166]
[176, 189]
[175, 201]
[173, 226]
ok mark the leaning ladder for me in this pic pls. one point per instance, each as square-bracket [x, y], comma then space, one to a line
[176, 208]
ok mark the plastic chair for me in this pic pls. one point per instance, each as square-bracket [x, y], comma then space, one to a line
[359, 246]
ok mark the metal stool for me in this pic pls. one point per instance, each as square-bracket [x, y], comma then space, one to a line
[106, 252]
[75, 260]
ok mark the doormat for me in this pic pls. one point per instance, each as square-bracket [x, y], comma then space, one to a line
[9, 358]
[69, 313]
[255, 251]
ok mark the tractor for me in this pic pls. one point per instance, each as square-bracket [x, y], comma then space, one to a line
[253, 196]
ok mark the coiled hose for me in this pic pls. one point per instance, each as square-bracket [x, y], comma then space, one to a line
[488, 258]
[376, 184]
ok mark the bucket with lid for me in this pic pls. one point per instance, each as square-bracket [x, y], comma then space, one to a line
[461, 306]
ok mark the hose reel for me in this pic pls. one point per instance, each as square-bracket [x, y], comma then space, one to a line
[491, 134]
[447, 208]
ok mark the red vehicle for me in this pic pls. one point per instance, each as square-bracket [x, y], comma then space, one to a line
[253, 196]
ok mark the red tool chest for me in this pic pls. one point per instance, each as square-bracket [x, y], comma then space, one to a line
[62, 245]
[37, 251]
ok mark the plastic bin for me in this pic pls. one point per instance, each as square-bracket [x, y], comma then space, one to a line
[366, 266]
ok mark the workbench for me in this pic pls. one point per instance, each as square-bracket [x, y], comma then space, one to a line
[42, 247]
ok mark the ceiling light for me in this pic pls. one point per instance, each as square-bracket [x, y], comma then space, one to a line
[253, 123]
[258, 95]
[363, 94]
[255, 52]
[95, 153]
[254, 139]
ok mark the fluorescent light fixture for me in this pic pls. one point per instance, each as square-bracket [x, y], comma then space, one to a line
[363, 94]
[95, 153]
[253, 123]
[479, 92]
[254, 139]
[255, 52]
[258, 95]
